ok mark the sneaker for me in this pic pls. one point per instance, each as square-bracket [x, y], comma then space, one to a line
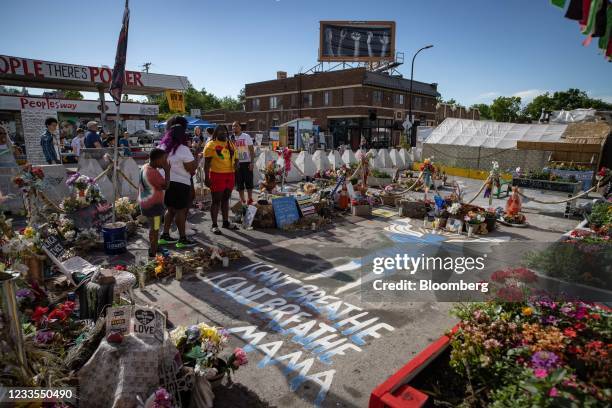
[215, 230]
[230, 226]
[166, 239]
[185, 243]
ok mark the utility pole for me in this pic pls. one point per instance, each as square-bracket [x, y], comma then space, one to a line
[145, 66]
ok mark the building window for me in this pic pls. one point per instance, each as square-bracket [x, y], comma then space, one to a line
[293, 100]
[256, 104]
[399, 99]
[418, 103]
[327, 98]
[348, 95]
[307, 100]
[274, 102]
[274, 122]
[377, 97]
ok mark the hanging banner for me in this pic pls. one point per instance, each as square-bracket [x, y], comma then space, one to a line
[33, 122]
[176, 101]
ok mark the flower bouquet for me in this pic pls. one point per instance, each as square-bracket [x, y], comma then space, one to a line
[536, 352]
[80, 182]
[200, 346]
[125, 210]
[30, 177]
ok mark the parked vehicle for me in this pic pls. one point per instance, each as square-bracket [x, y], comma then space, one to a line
[144, 136]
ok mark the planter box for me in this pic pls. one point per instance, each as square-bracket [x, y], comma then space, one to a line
[565, 187]
[379, 182]
[396, 392]
[390, 199]
[412, 209]
[586, 177]
[361, 210]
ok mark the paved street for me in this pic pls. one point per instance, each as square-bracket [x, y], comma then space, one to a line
[324, 344]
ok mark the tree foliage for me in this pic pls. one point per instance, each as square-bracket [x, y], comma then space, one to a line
[70, 94]
[484, 109]
[203, 100]
[506, 108]
[564, 100]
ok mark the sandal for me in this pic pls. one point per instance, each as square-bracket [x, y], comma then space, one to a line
[215, 230]
[230, 226]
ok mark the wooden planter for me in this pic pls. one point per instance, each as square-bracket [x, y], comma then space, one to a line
[379, 182]
[412, 209]
[390, 199]
[396, 392]
[562, 186]
[361, 210]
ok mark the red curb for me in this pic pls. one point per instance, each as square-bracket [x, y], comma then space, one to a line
[395, 391]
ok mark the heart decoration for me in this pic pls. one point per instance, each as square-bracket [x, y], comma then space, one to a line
[144, 316]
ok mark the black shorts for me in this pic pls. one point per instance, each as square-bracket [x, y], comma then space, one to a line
[244, 177]
[178, 196]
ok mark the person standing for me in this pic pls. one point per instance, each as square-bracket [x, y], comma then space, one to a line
[92, 139]
[208, 136]
[151, 193]
[246, 158]
[220, 162]
[179, 194]
[125, 143]
[47, 141]
[198, 140]
[77, 143]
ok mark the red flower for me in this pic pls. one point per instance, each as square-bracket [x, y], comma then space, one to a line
[579, 326]
[120, 268]
[569, 332]
[58, 314]
[595, 345]
[595, 316]
[39, 314]
[574, 349]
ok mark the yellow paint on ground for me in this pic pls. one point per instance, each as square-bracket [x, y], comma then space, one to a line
[461, 172]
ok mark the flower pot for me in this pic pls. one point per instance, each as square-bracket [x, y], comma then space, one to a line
[490, 223]
[442, 223]
[470, 230]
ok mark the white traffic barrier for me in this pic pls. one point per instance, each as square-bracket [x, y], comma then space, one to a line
[305, 164]
[348, 157]
[383, 160]
[293, 175]
[265, 157]
[335, 161]
[406, 157]
[397, 159]
[90, 167]
[320, 160]
[131, 170]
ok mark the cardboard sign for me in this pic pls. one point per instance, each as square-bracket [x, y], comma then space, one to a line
[33, 123]
[144, 321]
[118, 319]
[249, 216]
[306, 205]
[285, 211]
[54, 246]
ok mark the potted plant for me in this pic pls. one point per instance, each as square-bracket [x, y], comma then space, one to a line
[473, 221]
[490, 218]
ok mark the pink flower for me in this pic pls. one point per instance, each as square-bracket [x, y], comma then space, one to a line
[240, 357]
[540, 373]
[553, 392]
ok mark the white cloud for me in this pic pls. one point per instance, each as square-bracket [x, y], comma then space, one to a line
[487, 95]
[528, 94]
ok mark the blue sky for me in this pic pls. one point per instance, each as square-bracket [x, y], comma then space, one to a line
[482, 48]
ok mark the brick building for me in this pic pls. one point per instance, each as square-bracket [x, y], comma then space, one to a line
[345, 104]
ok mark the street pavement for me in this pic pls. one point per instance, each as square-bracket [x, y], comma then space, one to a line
[296, 302]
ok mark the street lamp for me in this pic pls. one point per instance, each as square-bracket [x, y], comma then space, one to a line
[411, 78]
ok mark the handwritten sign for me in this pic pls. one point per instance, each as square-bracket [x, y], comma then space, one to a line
[306, 205]
[33, 122]
[118, 319]
[54, 246]
[249, 216]
[285, 211]
[565, 187]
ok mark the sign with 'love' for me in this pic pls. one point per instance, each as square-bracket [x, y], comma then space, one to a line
[145, 321]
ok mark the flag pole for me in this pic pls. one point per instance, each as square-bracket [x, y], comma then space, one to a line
[116, 158]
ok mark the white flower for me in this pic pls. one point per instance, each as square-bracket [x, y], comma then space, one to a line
[454, 208]
[70, 235]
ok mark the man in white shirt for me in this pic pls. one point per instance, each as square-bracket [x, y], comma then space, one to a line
[246, 157]
[77, 142]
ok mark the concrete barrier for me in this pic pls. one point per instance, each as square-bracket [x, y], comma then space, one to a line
[55, 187]
[91, 167]
[321, 161]
[406, 157]
[293, 175]
[129, 167]
[348, 157]
[335, 161]
[383, 160]
[397, 159]
[305, 164]
[14, 202]
[264, 158]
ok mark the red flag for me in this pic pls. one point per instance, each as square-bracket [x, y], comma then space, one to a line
[116, 87]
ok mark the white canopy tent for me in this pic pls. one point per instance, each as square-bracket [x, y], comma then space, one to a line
[499, 135]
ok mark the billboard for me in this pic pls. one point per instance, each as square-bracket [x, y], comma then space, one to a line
[366, 41]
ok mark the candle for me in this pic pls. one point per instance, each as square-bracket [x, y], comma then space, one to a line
[225, 261]
[179, 272]
[141, 279]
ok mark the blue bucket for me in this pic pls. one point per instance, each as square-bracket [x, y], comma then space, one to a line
[115, 238]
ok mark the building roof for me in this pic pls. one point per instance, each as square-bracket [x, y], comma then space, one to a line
[395, 82]
[501, 135]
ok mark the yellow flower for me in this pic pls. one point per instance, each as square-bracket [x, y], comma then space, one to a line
[527, 311]
[28, 232]
[158, 269]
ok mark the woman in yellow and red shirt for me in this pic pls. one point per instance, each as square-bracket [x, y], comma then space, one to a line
[220, 165]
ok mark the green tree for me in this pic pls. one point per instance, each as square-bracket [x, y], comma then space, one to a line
[534, 108]
[506, 108]
[563, 100]
[10, 90]
[70, 94]
[484, 109]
